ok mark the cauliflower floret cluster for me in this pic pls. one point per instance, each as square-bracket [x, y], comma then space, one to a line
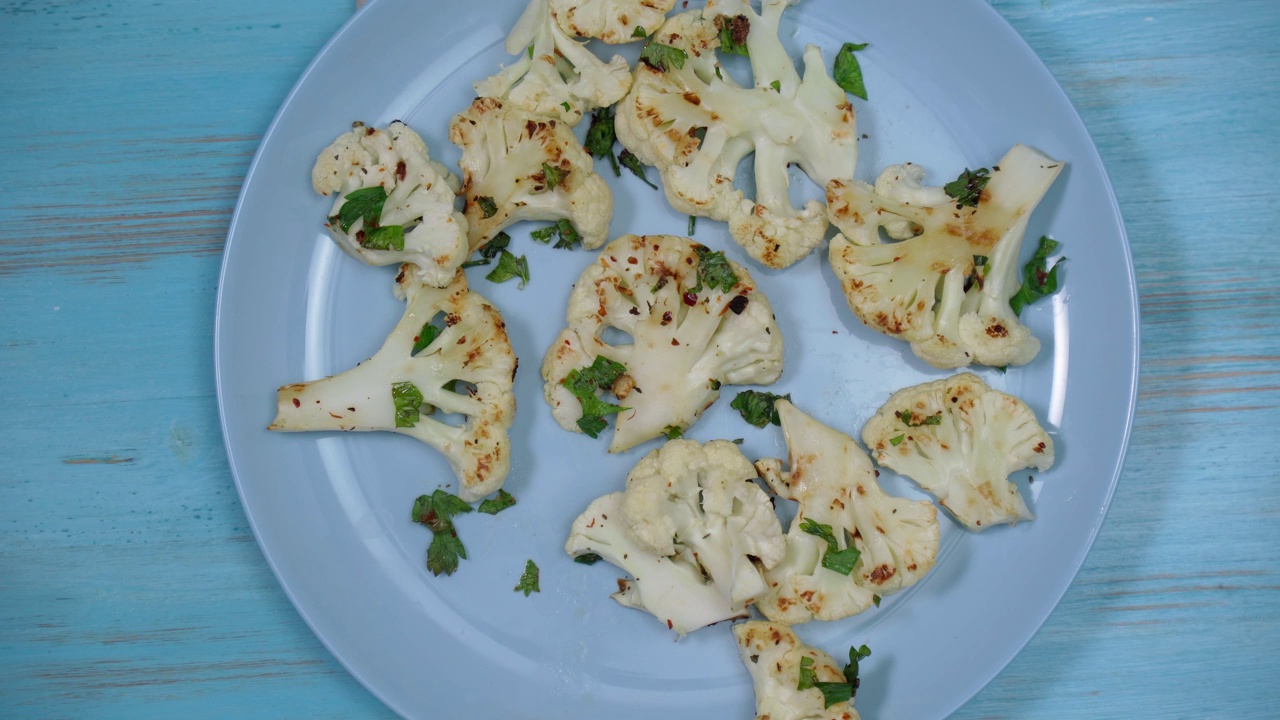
[693, 530]
[780, 665]
[463, 365]
[695, 123]
[960, 440]
[696, 321]
[555, 75]
[613, 21]
[946, 287]
[393, 203]
[519, 166]
[850, 541]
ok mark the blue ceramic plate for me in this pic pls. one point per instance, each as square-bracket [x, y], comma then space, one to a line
[332, 511]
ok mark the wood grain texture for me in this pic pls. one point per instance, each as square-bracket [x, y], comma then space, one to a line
[130, 585]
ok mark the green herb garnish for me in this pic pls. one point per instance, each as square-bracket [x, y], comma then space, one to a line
[632, 163]
[673, 431]
[366, 204]
[693, 224]
[967, 189]
[714, 270]
[601, 137]
[834, 559]
[564, 230]
[528, 580]
[639, 32]
[847, 72]
[587, 559]
[909, 419]
[663, 57]
[436, 511]
[1038, 279]
[553, 175]
[733, 34]
[758, 408]
[408, 402]
[495, 505]
[384, 237]
[488, 208]
[426, 336]
[510, 266]
[833, 692]
[896, 441]
[490, 250]
[776, 85]
[583, 384]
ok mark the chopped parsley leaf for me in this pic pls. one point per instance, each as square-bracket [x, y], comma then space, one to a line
[847, 72]
[495, 505]
[366, 204]
[663, 57]
[510, 266]
[757, 407]
[564, 230]
[693, 224]
[490, 250]
[587, 559]
[426, 336]
[733, 34]
[408, 402]
[632, 163]
[909, 419]
[639, 32]
[436, 511]
[967, 189]
[714, 270]
[488, 208]
[673, 431]
[583, 383]
[553, 175]
[1038, 279]
[528, 580]
[384, 237]
[834, 559]
[896, 441]
[601, 137]
[776, 85]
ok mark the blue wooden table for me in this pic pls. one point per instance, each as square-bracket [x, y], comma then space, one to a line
[131, 586]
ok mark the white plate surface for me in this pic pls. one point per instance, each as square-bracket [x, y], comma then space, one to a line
[951, 86]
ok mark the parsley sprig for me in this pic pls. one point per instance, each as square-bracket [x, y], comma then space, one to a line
[834, 559]
[757, 407]
[967, 189]
[529, 579]
[437, 511]
[834, 692]
[1038, 279]
[847, 72]
[583, 384]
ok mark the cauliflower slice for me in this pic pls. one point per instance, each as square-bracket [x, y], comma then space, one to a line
[836, 486]
[396, 390]
[960, 442]
[772, 654]
[686, 341]
[692, 529]
[613, 21]
[505, 153]
[946, 287]
[554, 75]
[695, 124]
[416, 223]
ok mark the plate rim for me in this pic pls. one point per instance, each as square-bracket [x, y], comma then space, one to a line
[995, 669]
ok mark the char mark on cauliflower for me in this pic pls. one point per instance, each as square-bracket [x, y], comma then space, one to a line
[522, 166]
[463, 365]
[695, 123]
[696, 321]
[964, 459]
[944, 285]
[894, 541]
[392, 203]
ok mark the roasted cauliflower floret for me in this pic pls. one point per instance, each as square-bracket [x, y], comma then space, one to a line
[894, 541]
[613, 21]
[696, 532]
[695, 124]
[392, 203]
[519, 166]
[696, 321]
[960, 440]
[553, 74]
[467, 369]
[776, 659]
[946, 288]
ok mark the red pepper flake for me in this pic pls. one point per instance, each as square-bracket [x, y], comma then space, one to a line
[401, 170]
[738, 304]
[675, 342]
[690, 299]
[297, 402]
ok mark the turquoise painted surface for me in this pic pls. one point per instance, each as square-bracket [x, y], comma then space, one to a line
[130, 585]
